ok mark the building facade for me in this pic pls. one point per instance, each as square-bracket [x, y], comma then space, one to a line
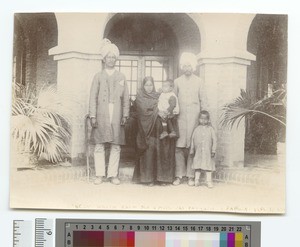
[235, 51]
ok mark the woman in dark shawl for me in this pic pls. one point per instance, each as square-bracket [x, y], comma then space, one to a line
[156, 158]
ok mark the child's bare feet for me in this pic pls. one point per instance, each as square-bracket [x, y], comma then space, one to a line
[197, 182]
[210, 184]
[191, 182]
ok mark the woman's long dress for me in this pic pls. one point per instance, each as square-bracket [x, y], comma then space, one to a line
[155, 160]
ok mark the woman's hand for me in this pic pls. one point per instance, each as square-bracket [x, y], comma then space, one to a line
[124, 120]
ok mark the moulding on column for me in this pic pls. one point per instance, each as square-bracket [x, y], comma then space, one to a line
[73, 54]
[224, 61]
[238, 57]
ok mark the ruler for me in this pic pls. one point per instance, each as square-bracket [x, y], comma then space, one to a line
[23, 233]
[44, 232]
[38, 233]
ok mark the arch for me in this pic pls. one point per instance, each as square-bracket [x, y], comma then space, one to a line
[267, 39]
[141, 34]
[183, 26]
[39, 32]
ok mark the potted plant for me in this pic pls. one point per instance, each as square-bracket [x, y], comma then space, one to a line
[39, 127]
[268, 113]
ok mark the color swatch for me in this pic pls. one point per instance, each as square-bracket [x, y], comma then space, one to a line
[156, 239]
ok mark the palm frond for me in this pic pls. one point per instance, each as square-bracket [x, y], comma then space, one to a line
[244, 106]
[55, 147]
[38, 126]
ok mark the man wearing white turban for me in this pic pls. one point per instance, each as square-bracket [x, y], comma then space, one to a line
[192, 99]
[108, 47]
[109, 111]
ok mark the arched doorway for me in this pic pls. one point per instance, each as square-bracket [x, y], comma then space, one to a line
[267, 39]
[150, 45]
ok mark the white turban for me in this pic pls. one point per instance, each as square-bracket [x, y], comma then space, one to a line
[108, 47]
[188, 58]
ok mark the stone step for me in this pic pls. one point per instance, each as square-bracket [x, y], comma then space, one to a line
[64, 173]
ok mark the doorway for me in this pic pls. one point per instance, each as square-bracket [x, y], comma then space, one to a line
[135, 68]
[149, 44]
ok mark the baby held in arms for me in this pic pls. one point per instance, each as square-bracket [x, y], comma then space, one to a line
[168, 109]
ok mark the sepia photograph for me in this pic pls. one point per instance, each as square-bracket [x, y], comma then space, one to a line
[178, 112]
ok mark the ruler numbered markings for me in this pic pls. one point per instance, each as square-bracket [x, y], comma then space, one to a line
[44, 232]
[28, 234]
[88, 234]
[23, 233]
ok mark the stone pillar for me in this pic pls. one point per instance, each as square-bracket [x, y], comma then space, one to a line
[223, 67]
[78, 59]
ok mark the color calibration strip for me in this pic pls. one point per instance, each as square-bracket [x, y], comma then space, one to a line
[132, 233]
[155, 239]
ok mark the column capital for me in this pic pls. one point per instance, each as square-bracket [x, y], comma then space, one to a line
[223, 57]
[224, 38]
[79, 35]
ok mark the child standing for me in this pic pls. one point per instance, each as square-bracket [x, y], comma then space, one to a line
[203, 149]
[168, 108]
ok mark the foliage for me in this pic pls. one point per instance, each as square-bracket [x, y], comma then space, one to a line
[265, 119]
[273, 107]
[39, 125]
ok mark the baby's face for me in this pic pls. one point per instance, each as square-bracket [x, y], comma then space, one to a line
[166, 87]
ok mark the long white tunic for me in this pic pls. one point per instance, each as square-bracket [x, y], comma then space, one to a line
[192, 99]
[204, 142]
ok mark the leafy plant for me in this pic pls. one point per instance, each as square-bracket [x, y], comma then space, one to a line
[265, 119]
[39, 124]
[273, 107]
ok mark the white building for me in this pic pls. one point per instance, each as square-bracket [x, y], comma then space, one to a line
[235, 51]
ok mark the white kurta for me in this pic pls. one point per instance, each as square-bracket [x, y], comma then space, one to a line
[204, 142]
[192, 99]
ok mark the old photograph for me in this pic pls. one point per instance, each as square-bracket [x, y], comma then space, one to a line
[179, 112]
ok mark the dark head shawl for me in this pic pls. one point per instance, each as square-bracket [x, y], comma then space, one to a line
[146, 104]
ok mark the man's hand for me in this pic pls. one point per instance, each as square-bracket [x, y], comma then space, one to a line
[213, 155]
[162, 115]
[94, 122]
[124, 120]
